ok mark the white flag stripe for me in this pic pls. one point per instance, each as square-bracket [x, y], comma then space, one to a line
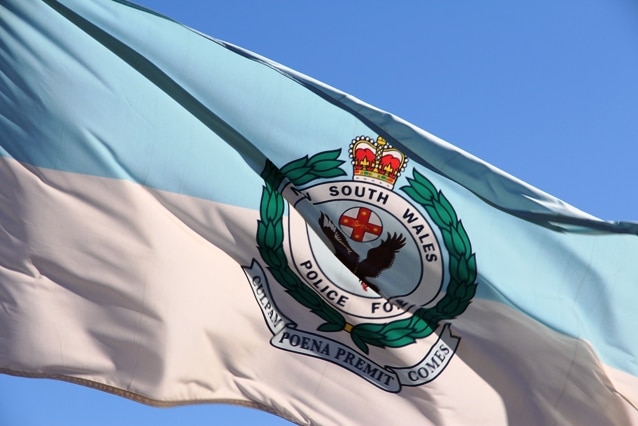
[163, 340]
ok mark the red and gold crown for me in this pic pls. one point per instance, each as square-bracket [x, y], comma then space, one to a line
[376, 161]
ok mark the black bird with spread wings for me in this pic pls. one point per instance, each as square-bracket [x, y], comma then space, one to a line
[378, 258]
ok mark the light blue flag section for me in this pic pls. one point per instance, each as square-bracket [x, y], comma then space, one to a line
[355, 241]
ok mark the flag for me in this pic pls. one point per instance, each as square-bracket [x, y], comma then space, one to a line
[184, 221]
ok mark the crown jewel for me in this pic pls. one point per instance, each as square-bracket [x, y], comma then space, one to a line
[376, 161]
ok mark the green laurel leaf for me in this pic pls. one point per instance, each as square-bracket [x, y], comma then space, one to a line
[326, 156]
[361, 344]
[297, 174]
[444, 205]
[400, 341]
[330, 327]
[320, 166]
[398, 334]
[331, 173]
[293, 165]
[414, 194]
[326, 165]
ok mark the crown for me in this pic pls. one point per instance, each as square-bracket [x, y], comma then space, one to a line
[376, 161]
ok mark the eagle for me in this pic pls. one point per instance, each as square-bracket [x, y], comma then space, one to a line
[377, 260]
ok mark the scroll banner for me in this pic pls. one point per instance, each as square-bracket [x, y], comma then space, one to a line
[288, 337]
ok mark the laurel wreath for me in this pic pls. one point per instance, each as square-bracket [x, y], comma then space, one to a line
[394, 334]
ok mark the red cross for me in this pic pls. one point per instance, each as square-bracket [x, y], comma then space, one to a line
[361, 224]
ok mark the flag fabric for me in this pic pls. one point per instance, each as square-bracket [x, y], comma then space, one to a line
[183, 221]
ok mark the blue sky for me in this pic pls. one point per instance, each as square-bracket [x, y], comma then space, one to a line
[545, 90]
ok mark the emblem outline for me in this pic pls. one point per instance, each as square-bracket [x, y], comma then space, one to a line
[423, 322]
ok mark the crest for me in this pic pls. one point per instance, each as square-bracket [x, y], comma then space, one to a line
[358, 273]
